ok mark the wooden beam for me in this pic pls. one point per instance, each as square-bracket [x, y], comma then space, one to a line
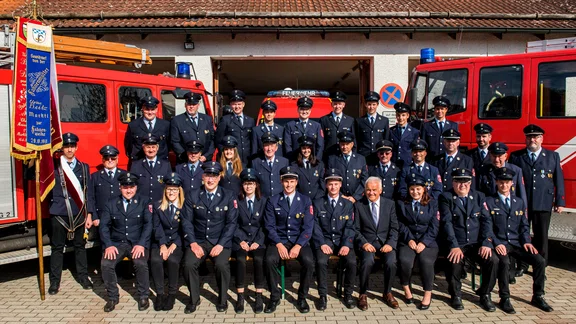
[410, 35]
[498, 35]
[452, 35]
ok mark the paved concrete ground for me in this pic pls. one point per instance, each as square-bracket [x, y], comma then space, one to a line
[20, 303]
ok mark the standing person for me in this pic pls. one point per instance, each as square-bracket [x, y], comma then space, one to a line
[190, 172]
[69, 217]
[231, 165]
[268, 167]
[334, 123]
[238, 125]
[289, 222]
[125, 231]
[423, 168]
[479, 154]
[419, 222]
[249, 239]
[138, 130]
[192, 126]
[544, 181]
[151, 171]
[267, 125]
[432, 131]
[105, 183]
[386, 170]
[452, 159]
[376, 234]
[466, 225]
[402, 134]
[371, 128]
[511, 238]
[352, 166]
[303, 126]
[167, 242]
[310, 170]
[209, 223]
[334, 234]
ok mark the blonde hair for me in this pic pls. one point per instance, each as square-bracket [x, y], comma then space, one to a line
[165, 202]
[236, 163]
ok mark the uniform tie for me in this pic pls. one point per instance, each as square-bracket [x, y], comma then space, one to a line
[307, 164]
[337, 120]
[126, 204]
[229, 168]
[288, 201]
[151, 163]
[402, 129]
[110, 175]
[346, 158]
[270, 129]
[533, 155]
[210, 196]
[441, 124]
[449, 160]
[150, 127]
[419, 169]
[240, 120]
[303, 124]
[195, 121]
[464, 201]
[270, 164]
[483, 154]
[333, 203]
[416, 207]
[508, 202]
[384, 169]
[70, 163]
[371, 120]
[172, 210]
[192, 169]
[374, 214]
[250, 207]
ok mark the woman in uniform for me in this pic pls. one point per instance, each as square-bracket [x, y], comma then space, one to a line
[418, 220]
[167, 242]
[310, 170]
[231, 165]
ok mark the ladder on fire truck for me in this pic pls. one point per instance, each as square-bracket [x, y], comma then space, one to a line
[551, 45]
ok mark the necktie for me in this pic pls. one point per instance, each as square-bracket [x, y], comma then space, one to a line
[150, 128]
[70, 163]
[195, 121]
[449, 160]
[151, 163]
[402, 129]
[346, 157]
[464, 201]
[371, 120]
[127, 205]
[384, 169]
[304, 124]
[288, 201]
[229, 168]
[533, 155]
[110, 174]
[239, 119]
[172, 210]
[307, 164]
[270, 129]
[192, 169]
[416, 207]
[250, 207]
[270, 165]
[508, 202]
[483, 154]
[210, 196]
[419, 169]
[333, 203]
[337, 120]
[374, 214]
[441, 124]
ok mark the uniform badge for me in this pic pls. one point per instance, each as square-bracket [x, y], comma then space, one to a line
[492, 212]
[346, 217]
[225, 208]
[521, 213]
[297, 216]
[217, 208]
[160, 179]
[316, 173]
[206, 131]
[516, 212]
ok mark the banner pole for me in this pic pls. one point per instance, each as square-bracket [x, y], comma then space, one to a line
[39, 235]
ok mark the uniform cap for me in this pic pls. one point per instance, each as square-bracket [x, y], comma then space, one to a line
[533, 130]
[109, 150]
[401, 107]
[211, 167]
[150, 102]
[451, 134]
[288, 172]
[371, 96]
[268, 105]
[333, 174]
[150, 139]
[237, 95]
[462, 174]
[269, 137]
[345, 137]
[306, 141]
[69, 139]
[483, 128]
[338, 96]
[192, 98]
[504, 173]
[305, 103]
[384, 145]
[194, 147]
[229, 141]
[248, 174]
[418, 145]
[416, 180]
[441, 101]
[173, 180]
[128, 179]
[498, 148]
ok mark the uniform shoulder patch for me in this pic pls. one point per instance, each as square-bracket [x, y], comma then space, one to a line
[439, 178]
[485, 206]
[150, 208]
[438, 215]
[235, 204]
[311, 210]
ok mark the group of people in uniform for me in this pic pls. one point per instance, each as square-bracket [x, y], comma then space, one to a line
[352, 188]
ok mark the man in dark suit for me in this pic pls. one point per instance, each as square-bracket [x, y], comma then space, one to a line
[267, 125]
[432, 131]
[544, 182]
[402, 134]
[303, 126]
[479, 154]
[268, 167]
[151, 171]
[334, 123]
[125, 231]
[139, 129]
[371, 128]
[351, 165]
[68, 216]
[289, 222]
[192, 126]
[237, 125]
[386, 170]
[452, 159]
[334, 234]
[191, 171]
[210, 219]
[421, 167]
[376, 234]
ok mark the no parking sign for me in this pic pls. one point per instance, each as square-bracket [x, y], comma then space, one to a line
[390, 94]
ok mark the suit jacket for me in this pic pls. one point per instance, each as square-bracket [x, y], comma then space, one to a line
[331, 129]
[433, 136]
[57, 202]
[509, 225]
[354, 173]
[402, 154]
[270, 183]
[293, 224]
[103, 188]
[167, 228]
[137, 131]
[390, 179]
[260, 130]
[151, 180]
[311, 181]
[250, 225]
[294, 130]
[213, 220]
[183, 130]
[133, 226]
[429, 172]
[460, 161]
[230, 125]
[487, 182]
[368, 135]
[477, 159]
[420, 227]
[190, 181]
[231, 182]
[367, 232]
[334, 226]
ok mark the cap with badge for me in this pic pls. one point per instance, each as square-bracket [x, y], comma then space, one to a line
[416, 180]
[497, 148]
[482, 128]
[333, 174]
[371, 96]
[288, 172]
[441, 101]
[150, 102]
[305, 103]
[69, 139]
[237, 95]
[338, 96]
[173, 180]
[248, 174]
[269, 105]
[451, 134]
[504, 173]
[150, 139]
[384, 145]
[462, 175]
[532, 130]
[192, 98]
[418, 145]
[306, 141]
[109, 150]
[345, 137]
[128, 179]
[229, 142]
[268, 137]
[401, 107]
[211, 167]
[194, 147]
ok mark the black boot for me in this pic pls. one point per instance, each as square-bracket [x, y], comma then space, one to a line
[169, 302]
[159, 302]
[239, 308]
[259, 305]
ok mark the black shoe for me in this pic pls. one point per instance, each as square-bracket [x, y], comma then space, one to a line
[110, 305]
[169, 302]
[239, 308]
[425, 307]
[302, 306]
[86, 284]
[519, 272]
[191, 307]
[222, 308]
[506, 306]
[54, 288]
[409, 300]
[512, 281]
[541, 303]
[348, 301]
[322, 303]
[259, 304]
[487, 303]
[143, 304]
[271, 306]
[457, 303]
[159, 302]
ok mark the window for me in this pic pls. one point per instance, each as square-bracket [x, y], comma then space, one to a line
[500, 92]
[172, 107]
[451, 84]
[130, 102]
[556, 89]
[82, 102]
